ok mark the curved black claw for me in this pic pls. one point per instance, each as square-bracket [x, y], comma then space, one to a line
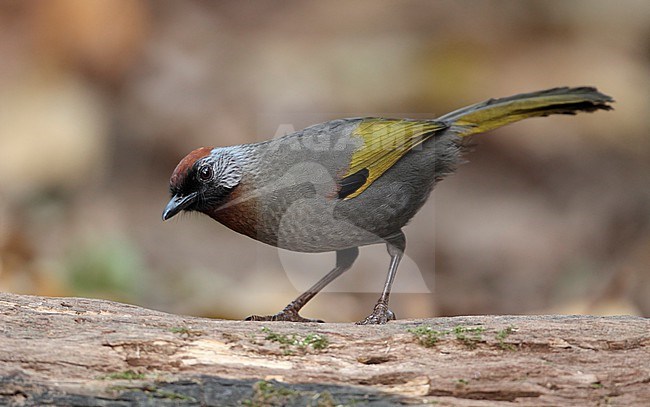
[380, 315]
[284, 315]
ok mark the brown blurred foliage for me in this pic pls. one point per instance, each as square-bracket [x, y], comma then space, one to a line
[100, 99]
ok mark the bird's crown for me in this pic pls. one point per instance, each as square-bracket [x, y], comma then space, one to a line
[184, 167]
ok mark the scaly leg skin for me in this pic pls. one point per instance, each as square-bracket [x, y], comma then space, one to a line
[381, 314]
[289, 313]
[344, 260]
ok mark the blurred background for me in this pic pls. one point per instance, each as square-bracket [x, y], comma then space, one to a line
[100, 99]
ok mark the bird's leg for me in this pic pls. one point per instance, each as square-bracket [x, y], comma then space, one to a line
[381, 314]
[344, 260]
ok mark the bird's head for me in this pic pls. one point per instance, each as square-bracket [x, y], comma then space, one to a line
[202, 180]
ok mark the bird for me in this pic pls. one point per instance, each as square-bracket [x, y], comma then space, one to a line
[347, 183]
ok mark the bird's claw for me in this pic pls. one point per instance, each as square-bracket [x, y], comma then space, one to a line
[380, 315]
[284, 315]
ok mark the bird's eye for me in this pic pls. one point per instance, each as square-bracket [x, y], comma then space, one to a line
[205, 172]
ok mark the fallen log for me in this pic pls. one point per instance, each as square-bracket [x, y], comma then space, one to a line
[84, 352]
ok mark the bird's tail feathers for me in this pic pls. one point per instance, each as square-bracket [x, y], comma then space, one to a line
[494, 113]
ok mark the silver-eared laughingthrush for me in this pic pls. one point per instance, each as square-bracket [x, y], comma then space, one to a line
[346, 183]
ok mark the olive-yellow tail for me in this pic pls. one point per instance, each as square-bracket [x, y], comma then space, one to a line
[493, 113]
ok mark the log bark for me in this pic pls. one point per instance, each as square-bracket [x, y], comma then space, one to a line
[83, 352]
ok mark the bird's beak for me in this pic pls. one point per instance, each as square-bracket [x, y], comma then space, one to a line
[178, 203]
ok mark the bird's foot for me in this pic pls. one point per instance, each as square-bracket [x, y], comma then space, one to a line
[287, 314]
[380, 315]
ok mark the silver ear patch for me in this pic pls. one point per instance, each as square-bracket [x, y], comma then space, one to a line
[228, 170]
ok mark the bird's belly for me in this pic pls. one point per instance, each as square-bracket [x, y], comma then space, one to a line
[306, 225]
[314, 225]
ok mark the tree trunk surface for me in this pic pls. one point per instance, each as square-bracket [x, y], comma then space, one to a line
[83, 352]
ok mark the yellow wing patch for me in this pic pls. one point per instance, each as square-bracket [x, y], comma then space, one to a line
[385, 141]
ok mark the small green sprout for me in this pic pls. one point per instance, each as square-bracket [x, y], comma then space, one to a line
[501, 337]
[312, 340]
[426, 336]
[469, 336]
[126, 375]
